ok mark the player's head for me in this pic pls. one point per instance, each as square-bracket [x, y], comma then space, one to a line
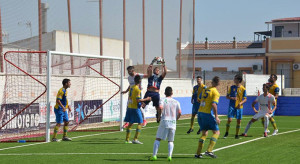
[66, 83]
[156, 71]
[266, 88]
[137, 79]
[215, 81]
[168, 91]
[130, 70]
[199, 79]
[273, 77]
[238, 79]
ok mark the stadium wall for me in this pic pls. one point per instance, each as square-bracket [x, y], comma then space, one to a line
[287, 106]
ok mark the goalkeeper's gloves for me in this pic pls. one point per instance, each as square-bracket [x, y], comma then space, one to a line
[153, 61]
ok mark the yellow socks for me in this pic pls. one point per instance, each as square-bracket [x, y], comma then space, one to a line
[56, 128]
[201, 144]
[227, 126]
[213, 141]
[65, 131]
[137, 132]
[128, 131]
[192, 122]
[273, 123]
[238, 127]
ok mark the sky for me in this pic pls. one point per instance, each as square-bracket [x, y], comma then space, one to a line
[218, 20]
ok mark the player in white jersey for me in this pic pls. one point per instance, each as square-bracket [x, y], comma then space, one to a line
[131, 75]
[171, 112]
[265, 101]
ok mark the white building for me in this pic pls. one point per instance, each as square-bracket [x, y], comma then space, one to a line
[227, 58]
[81, 43]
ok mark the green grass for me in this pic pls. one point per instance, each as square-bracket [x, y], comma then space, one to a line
[283, 148]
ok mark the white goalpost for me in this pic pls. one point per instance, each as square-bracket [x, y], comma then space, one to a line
[31, 83]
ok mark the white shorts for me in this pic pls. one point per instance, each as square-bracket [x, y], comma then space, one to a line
[164, 133]
[260, 114]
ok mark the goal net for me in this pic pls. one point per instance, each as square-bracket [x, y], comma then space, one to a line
[32, 80]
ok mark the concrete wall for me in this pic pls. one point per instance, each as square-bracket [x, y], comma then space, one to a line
[293, 27]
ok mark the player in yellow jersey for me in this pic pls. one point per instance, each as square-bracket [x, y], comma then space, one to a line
[208, 118]
[274, 90]
[237, 96]
[60, 110]
[197, 89]
[133, 113]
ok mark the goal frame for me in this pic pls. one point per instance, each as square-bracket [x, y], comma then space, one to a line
[48, 83]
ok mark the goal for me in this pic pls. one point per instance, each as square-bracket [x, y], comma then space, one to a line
[32, 80]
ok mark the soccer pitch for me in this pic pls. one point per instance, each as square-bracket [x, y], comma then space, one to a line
[109, 147]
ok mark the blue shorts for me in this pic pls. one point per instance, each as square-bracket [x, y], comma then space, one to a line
[61, 116]
[154, 96]
[133, 116]
[234, 112]
[195, 109]
[207, 121]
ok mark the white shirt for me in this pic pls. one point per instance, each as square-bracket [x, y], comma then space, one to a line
[131, 78]
[265, 102]
[171, 109]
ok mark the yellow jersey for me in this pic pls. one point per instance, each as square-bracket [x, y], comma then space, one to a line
[209, 96]
[274, 89]
[62, 96]
[239, 93]
[134, 95]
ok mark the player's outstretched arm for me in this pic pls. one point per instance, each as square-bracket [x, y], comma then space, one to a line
[126, 90]
[145, 99]
[149, 70]
[253, 106]
[164, 73]
[275, 106]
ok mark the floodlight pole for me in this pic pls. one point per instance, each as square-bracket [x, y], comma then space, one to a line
[1, 46]
[194, 56]
[70, 36]
[40, 34]
[180, 30]
[162, 28]
[144, 62]
[124, 36]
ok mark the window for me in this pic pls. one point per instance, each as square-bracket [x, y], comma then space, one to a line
[248, 70]
[220, 69]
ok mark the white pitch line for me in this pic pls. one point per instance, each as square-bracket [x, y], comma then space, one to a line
[259, 138]
[222, 148]
[74, 138]
[48, 154]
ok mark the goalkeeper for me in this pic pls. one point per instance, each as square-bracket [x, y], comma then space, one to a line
[154, 83]
[60, 110]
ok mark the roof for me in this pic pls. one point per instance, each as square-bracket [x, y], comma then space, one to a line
[224, 45]
[287, 19]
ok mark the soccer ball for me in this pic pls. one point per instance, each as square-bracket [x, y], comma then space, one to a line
[160, 60]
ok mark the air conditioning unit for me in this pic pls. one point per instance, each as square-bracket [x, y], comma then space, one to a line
[257, 67]
[296, 66]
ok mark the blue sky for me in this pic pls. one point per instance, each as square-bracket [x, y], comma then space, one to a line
[218, 20]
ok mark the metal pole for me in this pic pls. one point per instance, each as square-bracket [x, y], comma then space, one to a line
[121, 97]
[40, 34]
[180, 28]
[70, 36]
[48, 96]
[144, 37]
[162, 28]
[101, 32]
[1, 45]
[194, 56]
[124, 36]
